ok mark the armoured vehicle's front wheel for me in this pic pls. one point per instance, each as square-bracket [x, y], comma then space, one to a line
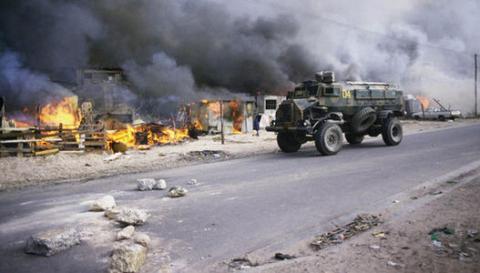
[392, 133]
[328, 139]
[287, 142]
[354, 139]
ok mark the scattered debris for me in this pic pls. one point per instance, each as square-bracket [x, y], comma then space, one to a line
[148, 184]
[241, 263]
[395, 201]
[103, 204]
[374, 247]
[128, 216]
[127, 257]
[359, 224]
[193, 181]
[379, 234]
[142, 239]
[281, 256]
[471, 233]
[113, 157]
[126, 233]
[53, 241]
[394, 264]
[205, 155]
[445, 230]
[437, 243]
[177, 191]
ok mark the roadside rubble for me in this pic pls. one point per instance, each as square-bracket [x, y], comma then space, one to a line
[360, 224]
[51, 242]
[126, 233]
[148, 184]
[281, 256]
[241, 263]
[128, 216]
[127, 258]
[205, 155]
[102, 204]
[177, 191]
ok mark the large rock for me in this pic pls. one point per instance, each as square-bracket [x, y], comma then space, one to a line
[146, 184]
[175, 192]
[160, 185]
[128, 216]
[103, 204]
[126, 233]
[128, 258]
[142, 239]
[50, 242]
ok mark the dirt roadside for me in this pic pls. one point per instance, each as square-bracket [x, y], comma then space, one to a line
[407, 243]
[67, 167]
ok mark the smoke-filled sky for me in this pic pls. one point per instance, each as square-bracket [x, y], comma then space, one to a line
[174, 51]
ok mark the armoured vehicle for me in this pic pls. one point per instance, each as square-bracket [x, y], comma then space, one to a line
[322, 110]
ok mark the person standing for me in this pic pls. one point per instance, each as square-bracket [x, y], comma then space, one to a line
[256, 124]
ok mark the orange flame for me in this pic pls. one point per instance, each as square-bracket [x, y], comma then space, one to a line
[237, 116]
[63, 112]
[147, 134]
[424, 101]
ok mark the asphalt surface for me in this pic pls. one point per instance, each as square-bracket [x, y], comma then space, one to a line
[266, 202]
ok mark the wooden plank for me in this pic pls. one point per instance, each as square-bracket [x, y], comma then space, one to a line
[7, 151]
[46, 152]
[14, 141]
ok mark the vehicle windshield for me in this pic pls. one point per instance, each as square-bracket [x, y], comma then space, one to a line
[306, 90]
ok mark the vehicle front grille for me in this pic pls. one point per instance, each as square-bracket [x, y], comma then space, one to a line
[284, 113]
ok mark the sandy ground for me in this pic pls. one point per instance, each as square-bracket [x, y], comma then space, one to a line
[67, 167]
[407, 245]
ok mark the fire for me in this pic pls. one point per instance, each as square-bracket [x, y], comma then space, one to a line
[147, 134]
[64, 111]
[424, 101]
[237, 116]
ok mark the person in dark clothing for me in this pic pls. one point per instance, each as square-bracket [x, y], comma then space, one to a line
[256, 123]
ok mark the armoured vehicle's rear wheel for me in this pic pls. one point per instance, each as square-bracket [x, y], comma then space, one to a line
[354, 139]
[363, 119]
[392, 133]
[287, 143]
[328, 139]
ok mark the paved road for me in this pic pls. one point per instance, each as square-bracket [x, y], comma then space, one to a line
[266, 202]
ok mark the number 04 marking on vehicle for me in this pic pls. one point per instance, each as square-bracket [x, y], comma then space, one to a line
[346, 94]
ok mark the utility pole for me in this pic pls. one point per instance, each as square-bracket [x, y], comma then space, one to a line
[476, 100]
[221, 122]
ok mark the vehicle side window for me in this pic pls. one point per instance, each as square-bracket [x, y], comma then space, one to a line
[270, 104]
[331, 92]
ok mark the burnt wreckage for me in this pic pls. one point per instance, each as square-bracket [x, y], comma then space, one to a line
[321, 110]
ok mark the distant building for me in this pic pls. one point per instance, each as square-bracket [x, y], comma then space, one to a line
[267, 106]
[107, 88]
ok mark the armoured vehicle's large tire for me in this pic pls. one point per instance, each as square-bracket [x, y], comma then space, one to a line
[354, 139]
[392, 133]
[287, 142]
[328, 139]
[363, 119]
